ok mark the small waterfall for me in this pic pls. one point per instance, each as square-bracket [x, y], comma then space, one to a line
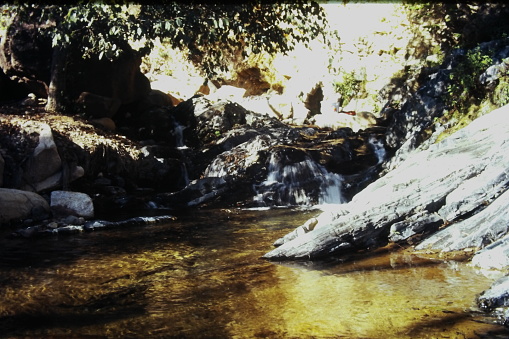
[378, 148]
[330, 189]
[178, 132]
[298, 183]
[184, 180]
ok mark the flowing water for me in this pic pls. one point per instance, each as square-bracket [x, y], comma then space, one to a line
[202, 277]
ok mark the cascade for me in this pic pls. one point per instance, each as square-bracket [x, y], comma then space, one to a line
[378, 148]
[178, 132]
[302, 182]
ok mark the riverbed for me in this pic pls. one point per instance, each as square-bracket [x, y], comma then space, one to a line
[201, 276]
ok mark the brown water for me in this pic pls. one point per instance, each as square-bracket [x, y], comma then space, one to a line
[202, 277]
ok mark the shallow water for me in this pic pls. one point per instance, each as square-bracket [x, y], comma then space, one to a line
[202, 277]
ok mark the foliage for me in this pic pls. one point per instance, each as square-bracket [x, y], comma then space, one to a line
[349, 87]
[208, 32]
[462, 24]
[464, 77]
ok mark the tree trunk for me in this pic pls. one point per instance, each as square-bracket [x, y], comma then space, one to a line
[56, 92]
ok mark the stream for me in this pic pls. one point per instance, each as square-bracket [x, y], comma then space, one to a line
[201, 276]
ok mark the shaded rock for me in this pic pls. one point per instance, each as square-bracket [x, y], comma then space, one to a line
[120, 79]
[45, 160]
[10, 89]
[427, 182]
[105, 123]
[16, 205]
[155, 98]
[216, 119]
[2, 164]
[97, 106]
[64, 203]
[25, 54]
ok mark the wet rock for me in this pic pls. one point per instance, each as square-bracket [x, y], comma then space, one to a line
[495, 300]
[64, 203]
[428, 182]
[16, 205]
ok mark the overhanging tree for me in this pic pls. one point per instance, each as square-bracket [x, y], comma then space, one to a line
[209, 33]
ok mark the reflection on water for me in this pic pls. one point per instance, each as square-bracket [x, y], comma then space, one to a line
[202, 277]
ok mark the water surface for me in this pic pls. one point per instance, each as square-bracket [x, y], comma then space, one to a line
[202, 277]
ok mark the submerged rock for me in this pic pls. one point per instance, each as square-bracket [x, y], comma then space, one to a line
[426, 191]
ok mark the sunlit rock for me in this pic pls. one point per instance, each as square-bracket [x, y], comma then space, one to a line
[410, 199]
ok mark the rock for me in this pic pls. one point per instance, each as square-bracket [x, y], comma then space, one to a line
[45, 160]
[2, 164]
[313, 101]
[252, 80]
[10, 89]
[493, 256]
[105, 123]
[73, 220]
[120, 79]
[57, 179]
[16, 205]
[178, 88]
[97, 106]
[420, 194]
[25, 54]
[215, 119]
[358, 121]
[496, 300]
[155, 98]
[227, 92]
[64, 203]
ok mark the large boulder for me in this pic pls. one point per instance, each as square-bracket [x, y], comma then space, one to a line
[120, 79]
[17, 205]
[458, 182]
[97, 106]
[64, 203]
[25, 55]
[45, 160]
[2, 164]
[32, 161]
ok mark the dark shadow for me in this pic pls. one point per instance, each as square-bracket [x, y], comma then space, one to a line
[422, 328]
[110, 307]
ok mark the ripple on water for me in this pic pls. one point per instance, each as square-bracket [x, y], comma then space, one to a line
[202, 276]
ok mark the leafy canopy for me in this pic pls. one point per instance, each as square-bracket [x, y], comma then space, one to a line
[209, 33]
